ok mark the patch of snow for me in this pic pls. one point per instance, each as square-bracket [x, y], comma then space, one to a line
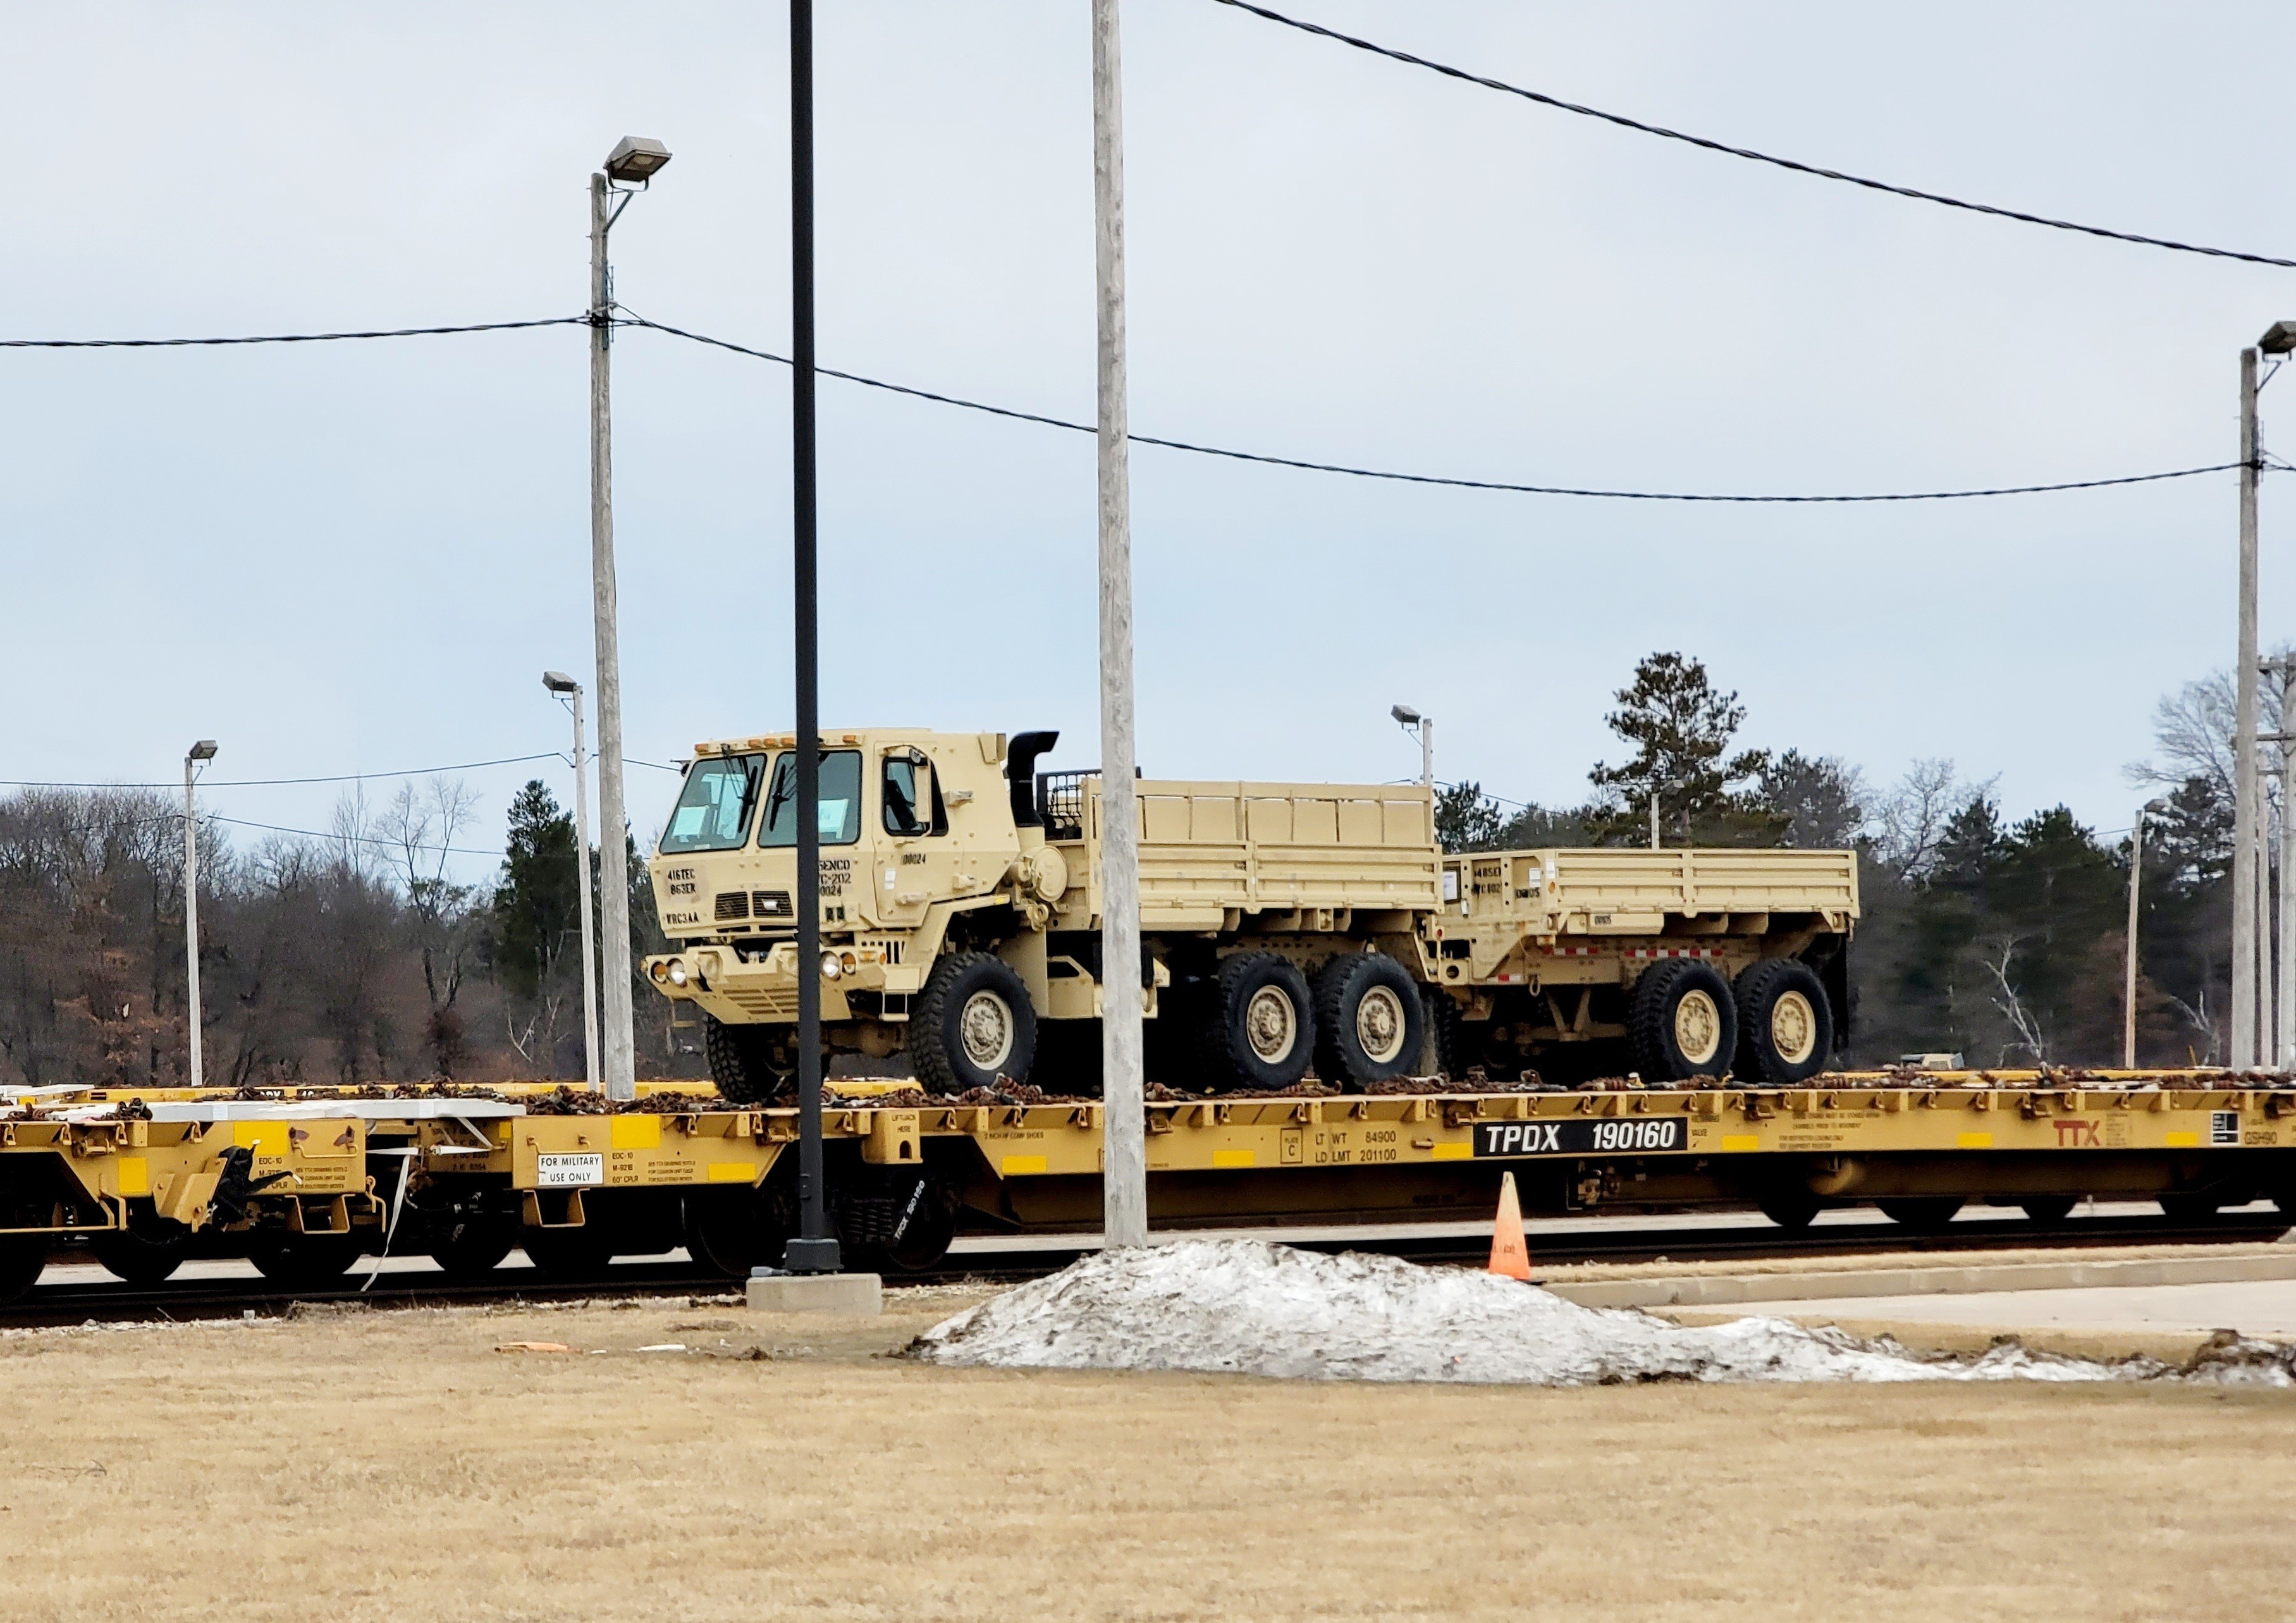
[1248, 1307]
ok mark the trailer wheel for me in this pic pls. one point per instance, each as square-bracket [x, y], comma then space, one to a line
[146, 1252]
[303, 1261]
[1369, 1025]
[1259, 1032]
[1785, 1022]
[1923, 1214]
[750, 1064]
[972, 1024]
[1682, 1022]
[23, 1256]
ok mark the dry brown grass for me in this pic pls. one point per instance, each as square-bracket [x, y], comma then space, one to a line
[391, 1465]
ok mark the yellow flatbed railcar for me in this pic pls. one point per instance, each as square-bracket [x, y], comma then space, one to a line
[305, 1182]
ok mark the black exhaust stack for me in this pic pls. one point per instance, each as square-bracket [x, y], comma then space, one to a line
[1021, 775]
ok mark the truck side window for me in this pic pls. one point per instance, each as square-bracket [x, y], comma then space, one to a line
[713, 810]
[841, 799]
[913, 803]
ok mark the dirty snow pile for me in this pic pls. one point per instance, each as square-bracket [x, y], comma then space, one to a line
[1248, 1307]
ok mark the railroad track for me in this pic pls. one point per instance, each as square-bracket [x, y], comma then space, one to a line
[80, 1302]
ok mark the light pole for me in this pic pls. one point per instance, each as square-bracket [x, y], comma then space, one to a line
[815, 1249]
[1124, 1171]
[632, 163]
[1412, 721]
[569, 694]
[2151, 808]
[200, 753]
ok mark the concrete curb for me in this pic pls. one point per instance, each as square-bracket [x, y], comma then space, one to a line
[1721, 1289]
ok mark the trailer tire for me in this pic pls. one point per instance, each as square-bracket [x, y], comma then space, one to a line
[1922, 1214]
[1785, 1022]
[145, 1252]
[1259, 1031]
[750, 1064]
[1682, 1022]
[23, 1256]
[973, 1025]
[1440, 1052]
[1369, 1025]
[303, 1261]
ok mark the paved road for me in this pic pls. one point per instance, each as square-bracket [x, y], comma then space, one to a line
[2264, 1308]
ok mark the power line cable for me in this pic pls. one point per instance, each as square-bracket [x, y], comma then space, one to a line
[313, 834]
[629, 319]
[283, 337]
[346, 777]
[1749, 153]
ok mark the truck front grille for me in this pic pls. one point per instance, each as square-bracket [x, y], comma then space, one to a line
[772, 905]
[733, 904]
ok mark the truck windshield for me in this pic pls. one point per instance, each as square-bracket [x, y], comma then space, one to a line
[713, 813]
[841, 799]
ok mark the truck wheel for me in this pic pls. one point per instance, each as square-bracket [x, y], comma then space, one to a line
[1260, 1030]
[750, 1064]
[1681, 1023]
[1369, 1025]
[146, 1252]
[1439, 1050]
[1785, 1022]
[23, 1256]
[972, 1024]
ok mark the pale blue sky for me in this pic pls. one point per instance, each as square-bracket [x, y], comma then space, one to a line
[360, 557]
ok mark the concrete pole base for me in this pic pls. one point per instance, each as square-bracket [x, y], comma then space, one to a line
[850, 1293]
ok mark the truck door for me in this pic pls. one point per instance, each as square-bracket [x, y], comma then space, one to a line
[914, 864]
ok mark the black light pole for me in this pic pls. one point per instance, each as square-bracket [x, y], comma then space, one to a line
[814, 1251]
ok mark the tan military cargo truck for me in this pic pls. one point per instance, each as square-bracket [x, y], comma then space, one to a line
[1281, 925]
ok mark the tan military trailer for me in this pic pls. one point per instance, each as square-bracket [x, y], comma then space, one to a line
[1282, 925]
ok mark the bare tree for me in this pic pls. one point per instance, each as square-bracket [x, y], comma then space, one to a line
[1915, 814]
[2012, 1005]
[418, 829]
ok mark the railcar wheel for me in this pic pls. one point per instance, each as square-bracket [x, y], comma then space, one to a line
[1785, 1022]
[1369, 1025]
[750, 1064]
[2049, 1208]
[1259, 1032]
[303, 1261]
[23, 1256]
[732, 1231]
[1682, 1022]
[148, 1250]
[567, 1253]
[1790, 1210]
[924, 1226]
[471, 1245]
[972, 1024]
[2190, 1207]
[1923, 1214]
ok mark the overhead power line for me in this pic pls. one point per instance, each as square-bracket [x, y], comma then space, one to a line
[627, 318]
[312, 833]
[282, 338]
[630, 319]
[344, 777]
[1749, 153]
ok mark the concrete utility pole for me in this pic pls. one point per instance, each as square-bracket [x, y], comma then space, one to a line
[2244, 886]
[1425, 727]
[1124, 1173]
[2284, 1047]
[203, 751]
[2128, 980]
[570, 693]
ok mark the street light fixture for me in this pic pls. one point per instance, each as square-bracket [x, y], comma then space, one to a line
[569, 694]
[634, 162]
[197, 756]
[1412, 720]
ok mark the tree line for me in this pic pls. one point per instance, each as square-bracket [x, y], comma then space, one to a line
[2001, 940]
[352, 957]
[359, 958]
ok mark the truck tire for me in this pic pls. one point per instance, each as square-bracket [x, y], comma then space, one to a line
[1258, 1030]
[1439, 1051]
[1681, 1023]
[972, 1024]
[750, 1064]
[23, 1256]
[1785, 1022]
[1369, 1025]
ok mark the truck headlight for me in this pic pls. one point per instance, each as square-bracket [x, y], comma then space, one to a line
[678, 975]
[830, 967]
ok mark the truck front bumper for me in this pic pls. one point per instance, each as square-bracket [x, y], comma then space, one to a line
[747, 992]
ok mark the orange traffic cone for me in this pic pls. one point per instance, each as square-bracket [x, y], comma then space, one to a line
[1510, 1253]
